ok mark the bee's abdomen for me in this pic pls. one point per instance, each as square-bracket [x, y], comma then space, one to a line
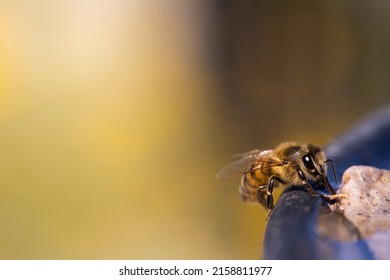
[250, 182]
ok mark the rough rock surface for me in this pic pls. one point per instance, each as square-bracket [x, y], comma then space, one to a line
[367, 202]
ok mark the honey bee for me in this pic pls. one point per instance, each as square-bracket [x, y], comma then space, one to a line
[289, 163]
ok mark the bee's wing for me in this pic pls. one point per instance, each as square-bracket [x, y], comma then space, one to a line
[243, 164]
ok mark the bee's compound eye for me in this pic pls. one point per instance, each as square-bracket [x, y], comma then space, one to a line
[308, 162]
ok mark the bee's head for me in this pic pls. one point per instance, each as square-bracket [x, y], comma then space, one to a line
[314, 163]
[314, 166]
[308, 160]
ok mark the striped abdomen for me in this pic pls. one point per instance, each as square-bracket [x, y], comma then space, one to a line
[251, 182]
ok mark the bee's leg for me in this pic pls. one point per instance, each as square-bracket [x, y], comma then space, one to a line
[334, 198]
[261, 196]
[306, 183]
[270, 198]
[264, 200]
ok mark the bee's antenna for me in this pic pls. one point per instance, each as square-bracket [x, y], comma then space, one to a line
[334, 172]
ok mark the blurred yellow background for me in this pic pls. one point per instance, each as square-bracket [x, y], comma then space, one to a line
[116, 115]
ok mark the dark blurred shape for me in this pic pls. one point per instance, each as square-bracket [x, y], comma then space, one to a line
[365, 143]
[301, 226]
